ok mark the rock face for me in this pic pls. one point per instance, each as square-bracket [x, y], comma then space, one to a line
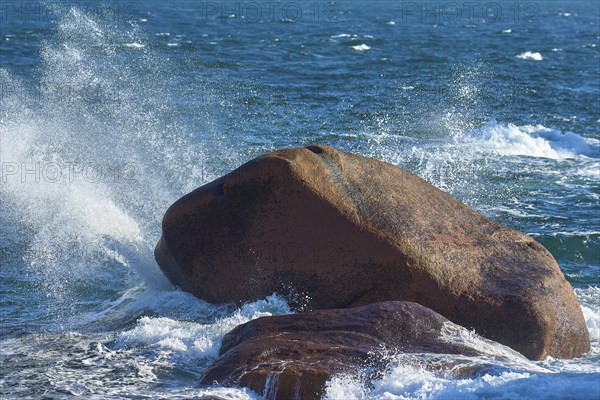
[344, 230]
[292, 356]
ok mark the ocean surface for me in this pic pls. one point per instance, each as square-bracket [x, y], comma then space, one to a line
[110, 111]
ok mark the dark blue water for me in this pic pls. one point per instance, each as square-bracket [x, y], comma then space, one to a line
[110, 111]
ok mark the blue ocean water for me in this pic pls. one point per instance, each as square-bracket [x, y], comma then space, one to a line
[110, 111]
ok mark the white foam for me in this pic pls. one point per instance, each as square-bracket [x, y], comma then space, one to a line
[404, 382]
[192, 339]
[501, 373]
[361, 47]
[135, 45]
[430, 376]
[592, 319]
[390, 23]
[590, 305]
[590, 172]
[533, 141]
[196, 340]
[105, 162]
[89, 369]
[453, 333]
[507, 31]
[583, 234]
[221, 393]
[515, 212]
[528, 55]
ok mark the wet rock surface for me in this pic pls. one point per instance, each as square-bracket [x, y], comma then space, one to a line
[345, 230]
[292, 356]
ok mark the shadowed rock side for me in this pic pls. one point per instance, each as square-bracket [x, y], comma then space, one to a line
[347, 230]
[292, 356]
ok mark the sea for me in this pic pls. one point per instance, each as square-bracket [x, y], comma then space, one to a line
[112, 110]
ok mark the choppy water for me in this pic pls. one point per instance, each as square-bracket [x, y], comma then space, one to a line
[110, 111]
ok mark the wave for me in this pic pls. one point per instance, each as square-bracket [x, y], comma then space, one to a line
[361, 47]
[501, 374]
[343, 35]
[590, 304]
[162, 340]
[409, 382]
[135, 45]
[532, 141]
[92, 155]
[528, 55]
[484, 165]
[182, 341]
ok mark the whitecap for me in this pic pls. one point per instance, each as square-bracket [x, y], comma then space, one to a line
[453, 333]
[411, 382]
[343, 35]
[590, 172]
[590, 306]
[193, 340]
[135, 45]
[390, 23]
[507, 31]
[361, 47]
[533, 141]
[515, 212]
[528, 55]
[165, 334]
[565, 233]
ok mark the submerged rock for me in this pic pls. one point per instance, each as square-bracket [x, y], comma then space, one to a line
[292, 356]
[343, 230]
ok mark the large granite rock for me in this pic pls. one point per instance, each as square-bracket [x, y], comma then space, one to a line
[292, 356]
[343, 230]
